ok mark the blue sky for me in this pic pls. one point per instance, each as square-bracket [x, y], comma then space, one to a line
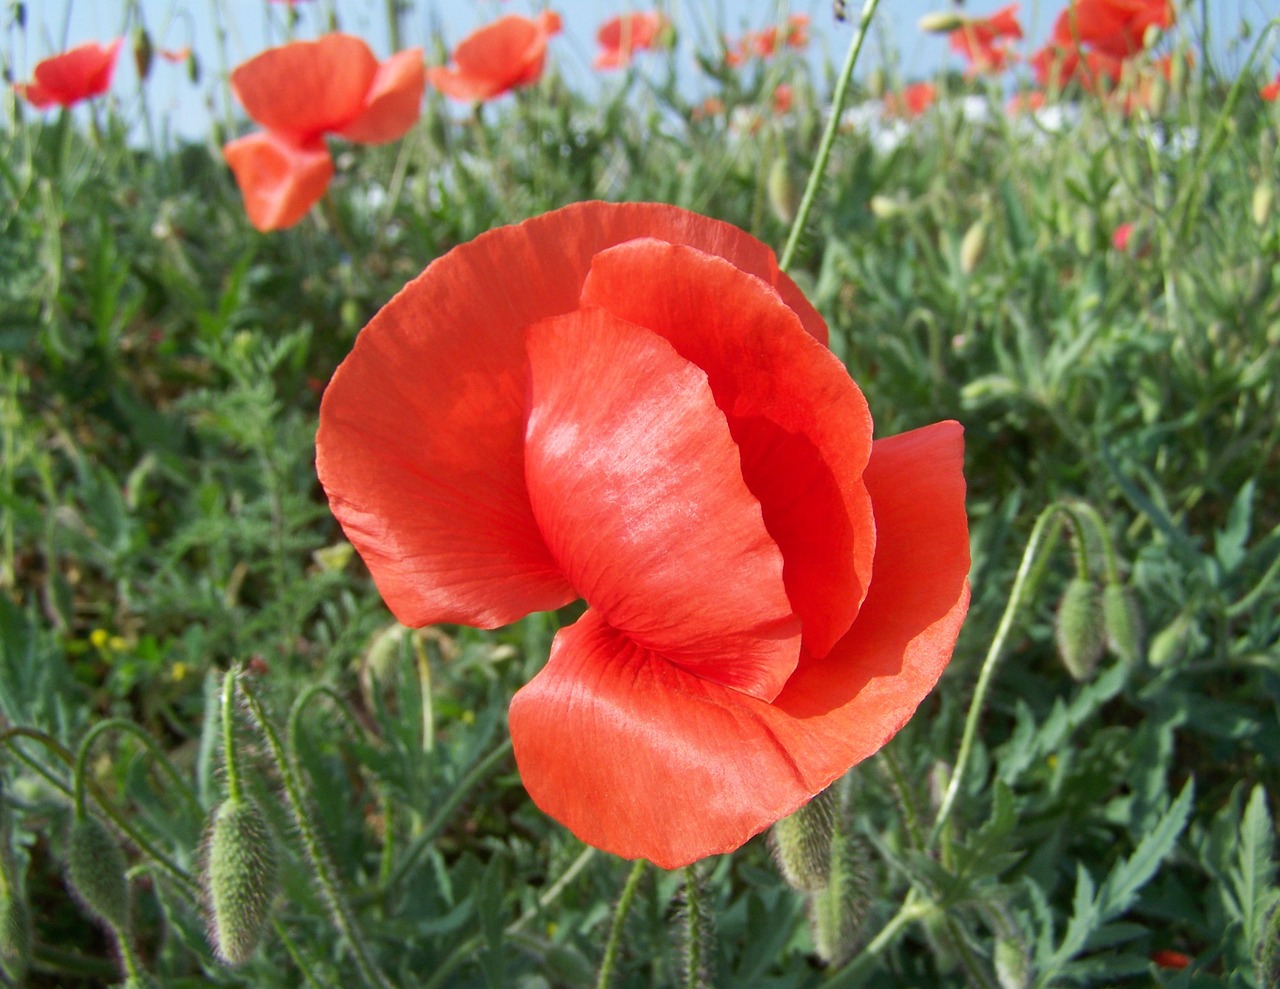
[253, 24]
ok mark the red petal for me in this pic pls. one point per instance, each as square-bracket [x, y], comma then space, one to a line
[279, 180]
[801, 423]
[422, 428]
[307, 88]
[636, 485]
[500, 56]
[394, 100]
[645, 760]
[77, 74]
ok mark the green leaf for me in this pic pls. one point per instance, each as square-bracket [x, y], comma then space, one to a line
[1252, 880]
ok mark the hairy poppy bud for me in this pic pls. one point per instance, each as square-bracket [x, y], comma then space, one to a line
[239, 879]
[1122, 621]
[941, 22]
[96, 870]
[782, 193]
[15, 925]
[839, 912]
[801, 843]
[1169, 644]
[1079, 629]
[975, 239]
[143, 52]
[1012, 964]
[1263, 197]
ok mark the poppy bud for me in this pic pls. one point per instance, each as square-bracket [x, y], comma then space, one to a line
[15, 925]
[975, 239]
[941, 22]
[801, 843]
[239, 880]
[143, 52]
[1012, 964]
[839, 912]
[1122, 621]
[885, 207]
[96, 870]
[1263, 197]
[782, 192]
[1169, 644]
[1266, 954]
[193, 68]
[1079, 631]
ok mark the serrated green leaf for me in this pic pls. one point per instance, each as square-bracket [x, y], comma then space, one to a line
[1252, 879]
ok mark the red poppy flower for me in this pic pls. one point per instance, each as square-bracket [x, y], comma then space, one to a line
[620, 37]
[632, 405]
[1121, 236]
[1113, 27]
[78, 74]
[1271, 91]
[1166, 958]
[979, 39]
[1094, 71]
[914, 100]
[505, 55]
[784, 98]
[302, 91]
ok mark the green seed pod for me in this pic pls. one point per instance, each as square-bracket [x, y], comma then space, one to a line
[239, 881]
[801, 843]
[96, 870]
[782, 192]
[971, 247]
[1080, 631]
[1123, 622]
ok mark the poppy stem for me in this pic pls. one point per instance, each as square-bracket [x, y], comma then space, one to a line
[619, 922]
[829, 135]
[1043, 536]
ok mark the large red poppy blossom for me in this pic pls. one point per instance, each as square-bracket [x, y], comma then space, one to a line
[77, 74]
[622, 36]
[632, 405]
[1112, 27]
[301, 92]
[983, 41]
[504, 55]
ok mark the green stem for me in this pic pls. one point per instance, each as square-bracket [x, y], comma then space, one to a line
[1021, 585]
[138, 732]
[619, 922]
[694, 921]
[913, 908]
[829, 135]
[340, 912]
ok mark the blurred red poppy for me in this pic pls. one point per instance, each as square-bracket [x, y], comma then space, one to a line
[1056, 66]
[784, 98]
[983, 40]
[1271, 91]
[301, 92]
[914, 100]
[505, 55]
[1112, 27]
[78, 74]
[1121, 237]
[1167, 958]
[631, 404]
[766, 43]
[620, 37]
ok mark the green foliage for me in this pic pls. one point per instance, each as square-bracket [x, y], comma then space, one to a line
[160, 521]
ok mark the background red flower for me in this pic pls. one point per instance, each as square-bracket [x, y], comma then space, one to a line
[78, 74]
[505, 55]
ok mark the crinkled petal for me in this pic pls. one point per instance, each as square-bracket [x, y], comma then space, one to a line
[280, 181]
[394, 100]
[640, 758]
[307, 88]
[801, 423]
[421, 442]
[636, 484]
[77, 74]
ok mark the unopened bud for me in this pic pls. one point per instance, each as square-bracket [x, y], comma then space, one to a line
[239, 879]
[801, 843]
[1079, 630]
[1123, 622]
[838, 913]
[1013, 967]
[1263, 198]
[15, 930]
[96, 870]
[1169, 644]
[942, 22]
[1266, 954]
[143, 52]
[782, 192]
[885, 207]
[975, 239]
[193, 68]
